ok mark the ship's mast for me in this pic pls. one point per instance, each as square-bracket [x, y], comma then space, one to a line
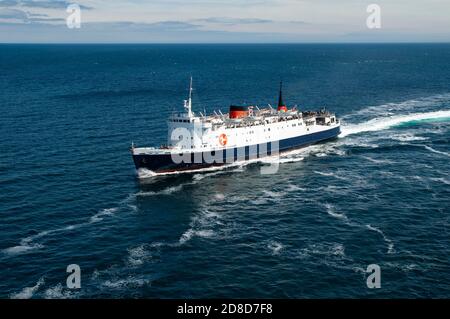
[280, 97]
[188, 103]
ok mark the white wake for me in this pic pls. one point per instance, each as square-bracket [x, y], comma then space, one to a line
[383, 123]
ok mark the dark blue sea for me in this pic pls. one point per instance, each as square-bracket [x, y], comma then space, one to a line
[379, 194]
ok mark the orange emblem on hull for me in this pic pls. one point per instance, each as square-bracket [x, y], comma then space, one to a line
[223, 139]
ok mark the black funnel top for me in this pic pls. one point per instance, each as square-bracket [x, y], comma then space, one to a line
[280, 99]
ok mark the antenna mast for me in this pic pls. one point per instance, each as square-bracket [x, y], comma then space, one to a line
[189, 106]
[188, 102]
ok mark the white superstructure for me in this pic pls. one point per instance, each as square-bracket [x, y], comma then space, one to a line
[250, 125]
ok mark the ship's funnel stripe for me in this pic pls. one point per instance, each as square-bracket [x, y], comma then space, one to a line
[238, 111]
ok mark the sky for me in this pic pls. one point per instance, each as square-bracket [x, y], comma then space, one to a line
[224, 21]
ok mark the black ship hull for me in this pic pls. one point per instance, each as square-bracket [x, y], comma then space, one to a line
[165, 163]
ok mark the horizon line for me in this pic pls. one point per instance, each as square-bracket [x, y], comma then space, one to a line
[217, 43]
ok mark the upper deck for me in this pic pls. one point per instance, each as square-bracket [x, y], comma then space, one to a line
[256, 116]
[241, 126]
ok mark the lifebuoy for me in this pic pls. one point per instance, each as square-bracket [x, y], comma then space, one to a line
[223, 139]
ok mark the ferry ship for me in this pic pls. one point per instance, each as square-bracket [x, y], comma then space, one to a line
[197, 141]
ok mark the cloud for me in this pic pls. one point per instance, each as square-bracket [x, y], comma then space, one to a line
[187, 26]
[126, 32]
[203, 3]
[127, 26]
[15, 16]
[223, 21]
[172, 25]
[31, 14]
[233, 21]
[43, 4]
[9, 3]
[297, 22]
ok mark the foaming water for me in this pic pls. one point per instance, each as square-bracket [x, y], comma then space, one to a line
[128, 283]
[330, 174]
[166, 191]
[190, 233]
[436, 151]
[332, 212]
[28, 244]
[28, 292]
[444, 180]
[105, 212]
[388, 109]
[387, 240]
[59, 292]
[24, 247]
[378, 161]
[335, 250]
[384, 123]
[275, 247]
[145, 173]
[137, 256]
[407, 137]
